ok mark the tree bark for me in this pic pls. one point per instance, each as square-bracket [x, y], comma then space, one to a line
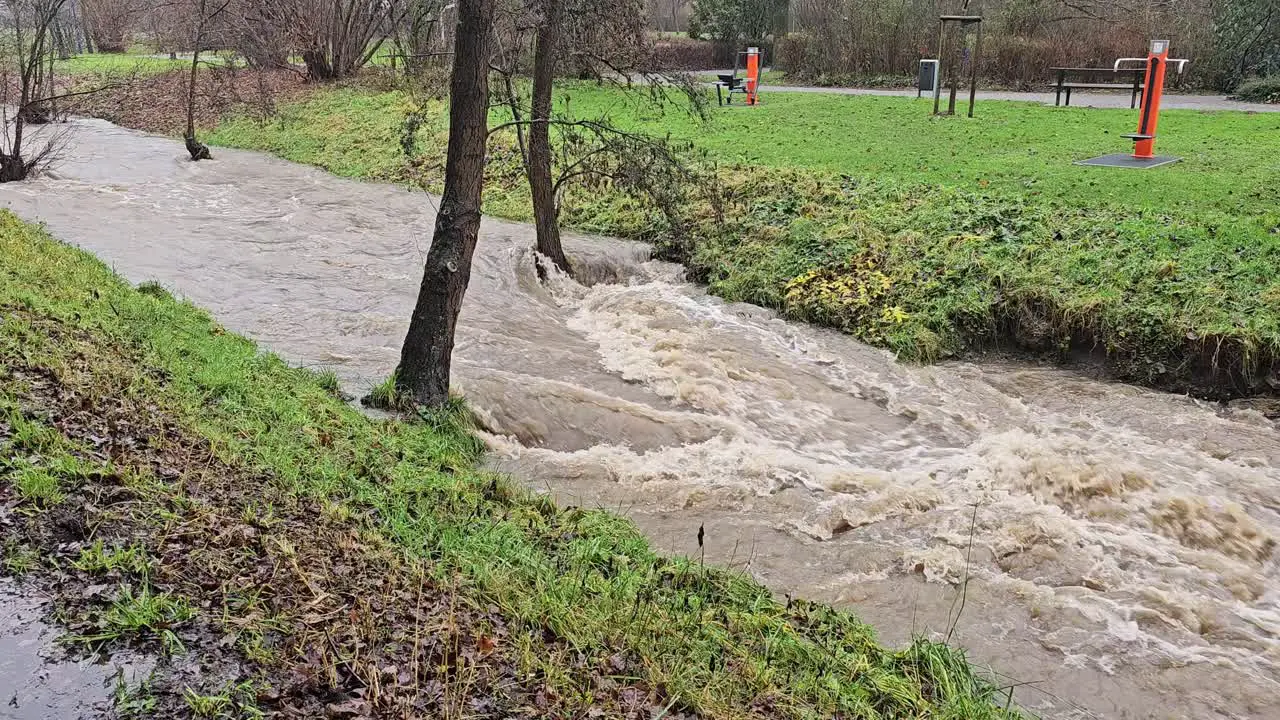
[545, 214]
[195, 148]
[318, 65]
[423, 375]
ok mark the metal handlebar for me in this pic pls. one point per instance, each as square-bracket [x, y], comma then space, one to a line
[1181, 63]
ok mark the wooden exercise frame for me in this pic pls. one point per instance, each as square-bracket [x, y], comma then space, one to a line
[947, 60]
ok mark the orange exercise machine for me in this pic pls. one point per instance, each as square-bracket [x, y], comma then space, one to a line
[1144, 140]
[733, 84]
[753, 75]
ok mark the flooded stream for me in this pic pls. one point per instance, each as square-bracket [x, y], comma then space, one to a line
[1120, 542]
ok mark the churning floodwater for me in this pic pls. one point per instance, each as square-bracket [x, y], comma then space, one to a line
[1120, 542]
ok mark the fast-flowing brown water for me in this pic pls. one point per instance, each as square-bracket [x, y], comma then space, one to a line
[1119, 541]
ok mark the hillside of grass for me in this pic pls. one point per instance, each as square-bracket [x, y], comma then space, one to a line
[932, 237]
[178, 491]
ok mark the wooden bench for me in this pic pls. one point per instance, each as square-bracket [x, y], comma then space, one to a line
[1070, 78]
[731, 83]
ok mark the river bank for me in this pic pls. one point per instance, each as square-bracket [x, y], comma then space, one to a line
[1176, 294]
[178, 492]
[1168, 286]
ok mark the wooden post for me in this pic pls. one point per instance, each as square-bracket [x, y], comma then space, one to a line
[973, 69]
[951, 99]
[942, 64]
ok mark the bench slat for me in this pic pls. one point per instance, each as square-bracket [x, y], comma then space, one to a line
[1118, 86]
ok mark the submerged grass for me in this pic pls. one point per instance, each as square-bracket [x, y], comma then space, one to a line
[930, 236]
[579, 602]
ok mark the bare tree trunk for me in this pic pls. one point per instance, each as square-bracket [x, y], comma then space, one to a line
[423, 374]
[539, 165]
[197, 150]
[318, 65]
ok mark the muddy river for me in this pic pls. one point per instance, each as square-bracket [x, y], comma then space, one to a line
[1119, 542]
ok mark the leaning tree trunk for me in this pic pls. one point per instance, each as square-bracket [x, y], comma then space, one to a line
[198, 150]
[423, 374]
[541, 184]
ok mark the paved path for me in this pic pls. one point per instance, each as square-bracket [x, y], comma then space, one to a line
[1102, 99]
[1078, 99]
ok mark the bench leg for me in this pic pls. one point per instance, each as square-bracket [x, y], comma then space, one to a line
[1068, 97]
[1057, 97]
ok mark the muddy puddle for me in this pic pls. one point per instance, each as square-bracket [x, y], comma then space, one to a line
[1119, 542]
[39, 680]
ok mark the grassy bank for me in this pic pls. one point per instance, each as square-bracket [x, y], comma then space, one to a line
[933, 237]
[178, 490]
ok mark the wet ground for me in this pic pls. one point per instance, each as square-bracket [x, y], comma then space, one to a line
[38, 679]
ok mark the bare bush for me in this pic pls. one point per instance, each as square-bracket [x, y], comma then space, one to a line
[854, 41]
[30, 96]
[111, 22]
[335, 38]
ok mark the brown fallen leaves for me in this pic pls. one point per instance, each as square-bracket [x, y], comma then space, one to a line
[321, 615]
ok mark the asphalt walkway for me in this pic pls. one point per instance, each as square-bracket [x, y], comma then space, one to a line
[1100, 99]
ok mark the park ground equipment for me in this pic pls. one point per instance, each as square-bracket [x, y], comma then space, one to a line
[731, 83]
[1144, 140]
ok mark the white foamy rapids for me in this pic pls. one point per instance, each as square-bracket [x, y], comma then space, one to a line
[1115, 545]
[1144, 542]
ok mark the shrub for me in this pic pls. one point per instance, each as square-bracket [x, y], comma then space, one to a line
[683, 54]
[1262, 90]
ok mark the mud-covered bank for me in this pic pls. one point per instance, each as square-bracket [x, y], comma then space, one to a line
[1221, 369]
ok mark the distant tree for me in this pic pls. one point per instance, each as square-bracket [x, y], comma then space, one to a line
[1247, 39]
[203, 14]
[733, 21]
[419, 28]
[422, 378]
[334, 37]
[603, 39]
[28, 93]
[110, 22]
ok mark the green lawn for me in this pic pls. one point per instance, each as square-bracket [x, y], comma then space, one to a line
[1231, 159]
[930, 236]
[238, 506]
[138, 61]
[102, 63]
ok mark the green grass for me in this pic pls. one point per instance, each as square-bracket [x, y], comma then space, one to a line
[98, 558]
[117, 64]
[971, 232]
[715, 642]
[1231, 159]
[232, 702]
[141, 613]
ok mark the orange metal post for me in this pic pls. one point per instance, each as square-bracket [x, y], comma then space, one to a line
[753, 75]
[1157, 62]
